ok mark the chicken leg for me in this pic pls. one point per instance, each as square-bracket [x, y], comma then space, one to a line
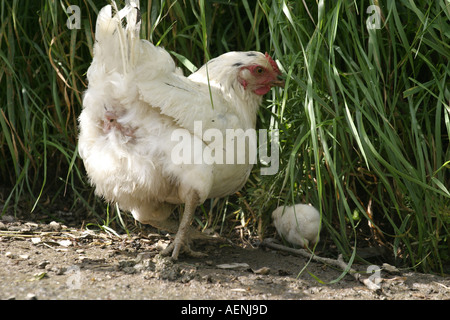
[182, 236]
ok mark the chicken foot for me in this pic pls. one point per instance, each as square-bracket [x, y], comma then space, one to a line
[171, 225]
[182, 236]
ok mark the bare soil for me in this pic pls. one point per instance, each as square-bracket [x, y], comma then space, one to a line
[51, 261]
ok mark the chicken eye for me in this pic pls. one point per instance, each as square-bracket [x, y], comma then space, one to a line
[259, 70]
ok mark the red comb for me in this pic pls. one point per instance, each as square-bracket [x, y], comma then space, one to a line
[272, 63]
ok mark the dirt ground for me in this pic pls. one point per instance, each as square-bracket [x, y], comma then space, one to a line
[51, 261]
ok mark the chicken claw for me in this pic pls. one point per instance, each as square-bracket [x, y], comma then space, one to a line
[176, 248]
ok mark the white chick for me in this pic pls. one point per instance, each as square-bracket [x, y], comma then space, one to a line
[298, 225]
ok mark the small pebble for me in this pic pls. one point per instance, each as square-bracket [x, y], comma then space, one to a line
[42, 264]
[263, 271]
[8, 219]
[143, 256]
[84, 259]
[55, 226]
[10, 255]
[126, 263]
[208, 278]
[59, 270]
[390, 269]
[31, 296]
[129, 270]
[234, 265]
[31, 225]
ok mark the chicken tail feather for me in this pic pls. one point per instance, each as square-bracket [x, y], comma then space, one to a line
[116, 42]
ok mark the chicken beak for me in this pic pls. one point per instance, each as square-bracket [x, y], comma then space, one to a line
[278, 82]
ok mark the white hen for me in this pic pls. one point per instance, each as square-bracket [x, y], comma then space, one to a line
[137, 98]
[298, 225]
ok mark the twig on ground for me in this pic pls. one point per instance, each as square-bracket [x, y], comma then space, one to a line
[339, 262]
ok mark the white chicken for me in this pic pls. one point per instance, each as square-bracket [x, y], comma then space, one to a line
[137, 98]
[298, 224]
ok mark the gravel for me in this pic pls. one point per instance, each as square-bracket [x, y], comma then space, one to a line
[51, 261]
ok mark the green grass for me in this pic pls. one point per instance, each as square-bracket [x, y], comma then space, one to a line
[364, 119]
